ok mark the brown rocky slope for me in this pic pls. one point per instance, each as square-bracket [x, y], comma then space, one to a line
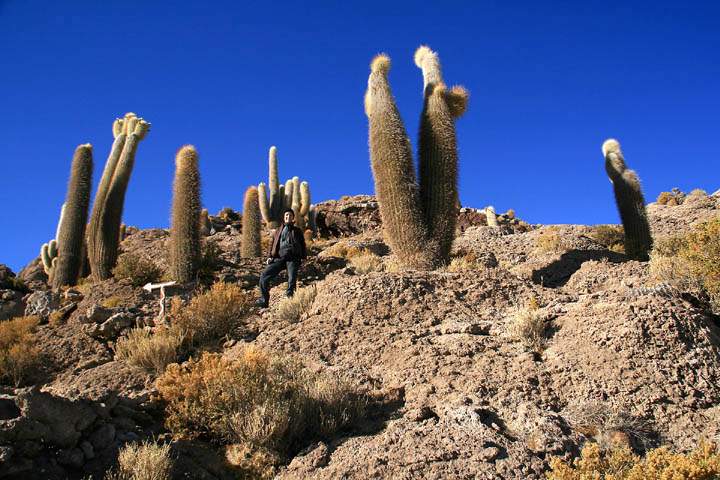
[465, 399]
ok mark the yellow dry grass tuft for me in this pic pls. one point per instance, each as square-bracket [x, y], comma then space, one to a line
[620, 463]
[527, 325]
[142, 461]
[19, 355]
[550, 241]
[213, 314]
[291, 309]
[690, 262]
[149, 351]
[366, 263]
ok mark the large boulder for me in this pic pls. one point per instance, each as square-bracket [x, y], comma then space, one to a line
[42, 303]
[347, 216]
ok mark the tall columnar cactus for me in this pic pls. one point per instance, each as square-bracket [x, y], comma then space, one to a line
[185, 225]
[437, 152]
[394, 173]
[491, 217]
[630, 202]
[271, 208]
[71, 233]
[418, 221]
[250, 241]
[106, 216]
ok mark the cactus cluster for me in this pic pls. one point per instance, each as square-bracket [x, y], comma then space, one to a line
[104, 230]
[206, 227]
[275, 197]
[250, 241]
[630, 202]
[419, 217]
[184, 224]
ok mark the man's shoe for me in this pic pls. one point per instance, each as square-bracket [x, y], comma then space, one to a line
[261, 303]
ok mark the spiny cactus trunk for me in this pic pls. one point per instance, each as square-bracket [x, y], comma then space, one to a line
[297, 204]
[250, 241]
[71, 234]
[438, 159]
[94, 237]
[288, 195]
[110, 198]
[185, 227]
[304, 211]
[393, 172]
[630, 202]
[271, 209]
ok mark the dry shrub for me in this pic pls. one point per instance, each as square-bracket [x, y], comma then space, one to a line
[19, 356]
[527, 325]
[256, 463]
[465, 262]
[550, 241]
[213, 314]
[137, 269]
[112, 301]
[691, 262]
[263, 401]
[702, 252]
[149, 351]
[343, 250]
[611, 236]
[142, 461]
[620, 463]
[366, 263]
[291, 309]
[610, 426]
[210, 260]
[664, 198]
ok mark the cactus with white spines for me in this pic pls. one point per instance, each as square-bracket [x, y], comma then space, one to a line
[630, 202]
[419, 216]
[104, 230]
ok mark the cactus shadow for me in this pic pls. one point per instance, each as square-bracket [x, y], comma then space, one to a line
[557, 273]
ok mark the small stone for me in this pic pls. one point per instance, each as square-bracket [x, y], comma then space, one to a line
[489, 454]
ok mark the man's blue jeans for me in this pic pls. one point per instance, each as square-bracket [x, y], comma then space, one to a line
[273, 270]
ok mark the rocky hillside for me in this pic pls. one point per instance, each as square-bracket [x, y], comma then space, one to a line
[456, 391]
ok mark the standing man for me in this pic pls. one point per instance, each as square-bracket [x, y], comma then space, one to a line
[287, 251]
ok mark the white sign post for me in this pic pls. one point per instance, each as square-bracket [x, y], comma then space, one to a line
[154, 286]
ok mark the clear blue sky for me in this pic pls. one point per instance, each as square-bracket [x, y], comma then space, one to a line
[549, 81]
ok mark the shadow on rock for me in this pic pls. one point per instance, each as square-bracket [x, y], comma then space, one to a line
[559, 272]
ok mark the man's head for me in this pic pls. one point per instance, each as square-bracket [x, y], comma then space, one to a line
[289, 216]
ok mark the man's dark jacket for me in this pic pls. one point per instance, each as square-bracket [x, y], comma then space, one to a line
[298, 242]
